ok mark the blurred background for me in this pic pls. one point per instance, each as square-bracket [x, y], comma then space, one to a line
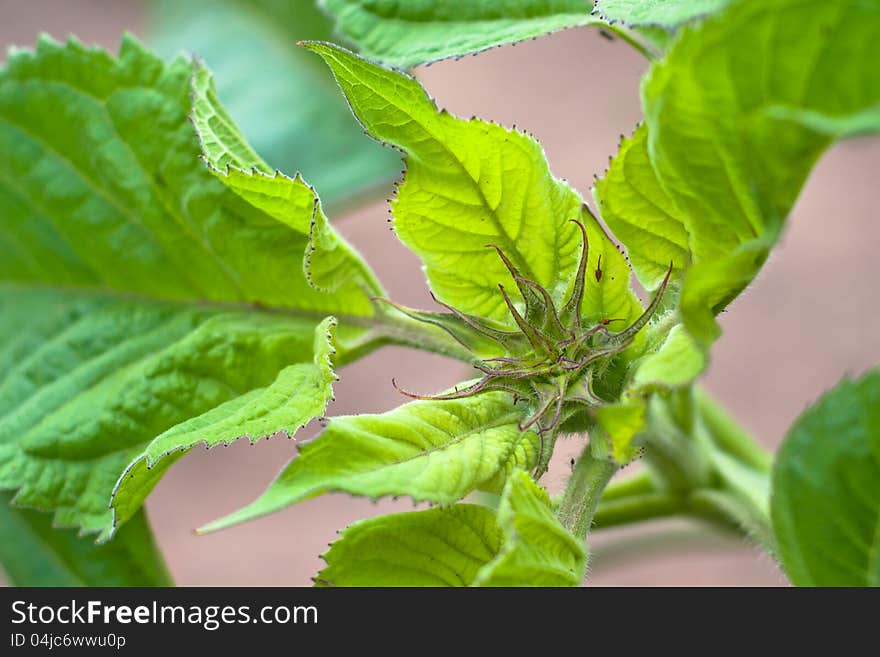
[810, 318]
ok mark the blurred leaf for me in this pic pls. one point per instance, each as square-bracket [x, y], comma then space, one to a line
[287, 106]
[34, 553]
[657, 13]
[826, 489]
[404, 33]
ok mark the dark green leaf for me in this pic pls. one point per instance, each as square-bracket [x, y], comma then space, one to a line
[826, 489]
[34, 553]
[136, 290]
[286, 104]
[404, 33]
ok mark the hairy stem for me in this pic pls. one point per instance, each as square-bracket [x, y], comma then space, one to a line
[729, 435]
[636, 508]
[641, 482]
[581, 498]
[658, 505]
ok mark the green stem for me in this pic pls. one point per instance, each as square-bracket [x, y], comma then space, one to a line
[658, 505]
[636, 484]
[636, 508]
[634, 39]
[581, 498]
[730, 436]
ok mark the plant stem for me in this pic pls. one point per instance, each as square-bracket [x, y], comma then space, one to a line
[581, 498]
[657, 505]
[729, 435]
[641, 482]
[636, 508]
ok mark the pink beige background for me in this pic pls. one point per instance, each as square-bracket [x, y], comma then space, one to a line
[810, 318]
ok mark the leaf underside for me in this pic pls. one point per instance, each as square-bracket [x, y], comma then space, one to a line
[34, 553]
[435, 451]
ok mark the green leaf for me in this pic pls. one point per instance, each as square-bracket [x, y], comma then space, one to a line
[641, 214]
[461, 545]
[735, 117]
[287, 105]
[472, 183]
[436, 451]
[437, 547]
[826, 502]
[102, 190]
[536, 550]
[330, 263]
[404, 33]
[673, 364]
[34, 553]
[622, 421]
[677, 362]
[607, 293]
[298, 394]
[136, 290]
[89, 382]
[659, 13]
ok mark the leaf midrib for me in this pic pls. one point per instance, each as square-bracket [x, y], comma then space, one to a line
[512, 249]
[365, 321]
[506, 420]
[160, 328]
